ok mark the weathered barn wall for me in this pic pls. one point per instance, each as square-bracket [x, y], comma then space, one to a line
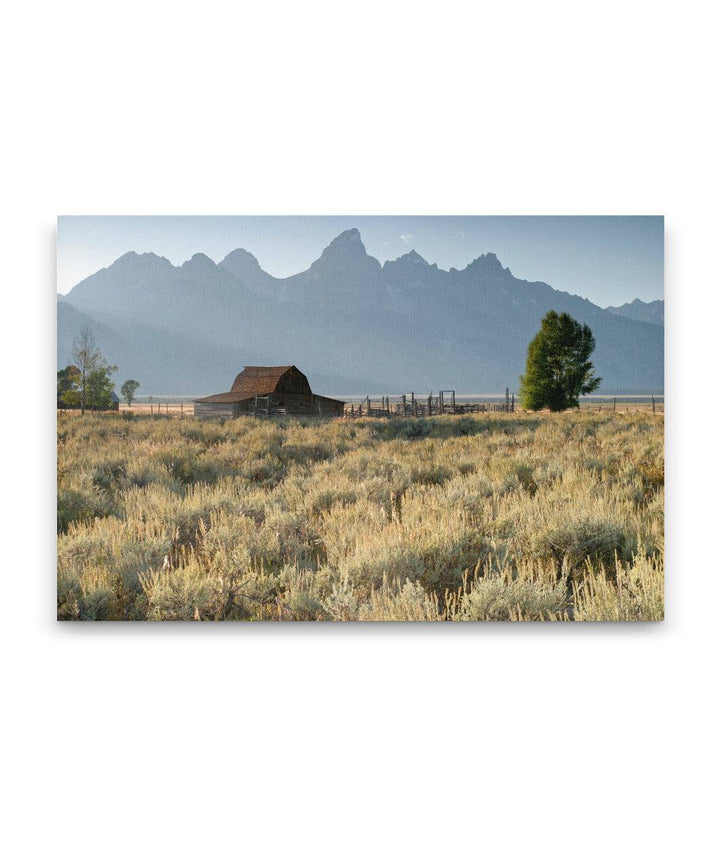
[275, 405]
[329, 406]
[214, 411]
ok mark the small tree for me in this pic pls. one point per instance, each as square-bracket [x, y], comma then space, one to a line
[94, 386]
[87, 358]
[67, 386]
[558, 369]
[100, 387]
[128, 390]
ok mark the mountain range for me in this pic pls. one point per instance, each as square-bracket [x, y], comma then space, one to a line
[352, 324]
[652, 312]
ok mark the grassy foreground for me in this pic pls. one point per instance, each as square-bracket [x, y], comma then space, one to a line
[494, 517]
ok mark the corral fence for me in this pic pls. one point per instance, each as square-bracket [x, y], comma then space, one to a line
[160, 408]
[410, 405]
[624, 403]
[448, 401]
[167, 407]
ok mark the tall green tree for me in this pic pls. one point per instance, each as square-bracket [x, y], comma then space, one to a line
[558, 369]
[128, 390]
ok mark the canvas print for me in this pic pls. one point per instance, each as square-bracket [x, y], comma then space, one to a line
[391, 418]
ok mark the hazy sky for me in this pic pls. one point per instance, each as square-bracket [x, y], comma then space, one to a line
[609, 260]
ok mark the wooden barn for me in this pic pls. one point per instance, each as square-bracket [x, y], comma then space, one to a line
[268, 391]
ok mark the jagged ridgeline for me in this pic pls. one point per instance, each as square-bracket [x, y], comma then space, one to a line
[353, 324]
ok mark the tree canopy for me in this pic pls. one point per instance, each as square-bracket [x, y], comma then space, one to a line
[68, 382]
[558, 369]
[90, 383]
[128, 390]
[100, 387]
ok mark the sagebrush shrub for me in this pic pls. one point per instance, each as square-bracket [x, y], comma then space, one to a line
[80, 506]
[499, 597]
[570, 543]
[469, 517]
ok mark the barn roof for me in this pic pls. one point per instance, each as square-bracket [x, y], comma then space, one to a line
[252, 381]
[222, 397]
[259, 380]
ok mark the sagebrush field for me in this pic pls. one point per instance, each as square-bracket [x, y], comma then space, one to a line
[490, 517]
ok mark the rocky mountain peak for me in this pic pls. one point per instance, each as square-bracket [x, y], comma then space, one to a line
[240, 258]
[347, 243]
[199, 263]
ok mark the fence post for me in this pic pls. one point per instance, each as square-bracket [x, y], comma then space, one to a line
[512, 403]
[614, 404]
[181, 410]
[507, 399]
[653, 403]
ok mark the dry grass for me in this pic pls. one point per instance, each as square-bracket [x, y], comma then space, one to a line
[494, 517]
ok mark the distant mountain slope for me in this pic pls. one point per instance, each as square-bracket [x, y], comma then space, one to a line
[70, 322]
[168, 364]
[652, 312]
[359, 325]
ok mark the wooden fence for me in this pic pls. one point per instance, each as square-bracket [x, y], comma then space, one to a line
[410, 405]
[654, 404]
[446, 401]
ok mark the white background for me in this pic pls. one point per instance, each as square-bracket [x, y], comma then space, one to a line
[270, 739]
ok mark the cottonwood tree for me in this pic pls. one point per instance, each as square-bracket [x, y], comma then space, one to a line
[558, 369]
[93, 383]
[128, 390]
[67, 386]
[100, 387]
